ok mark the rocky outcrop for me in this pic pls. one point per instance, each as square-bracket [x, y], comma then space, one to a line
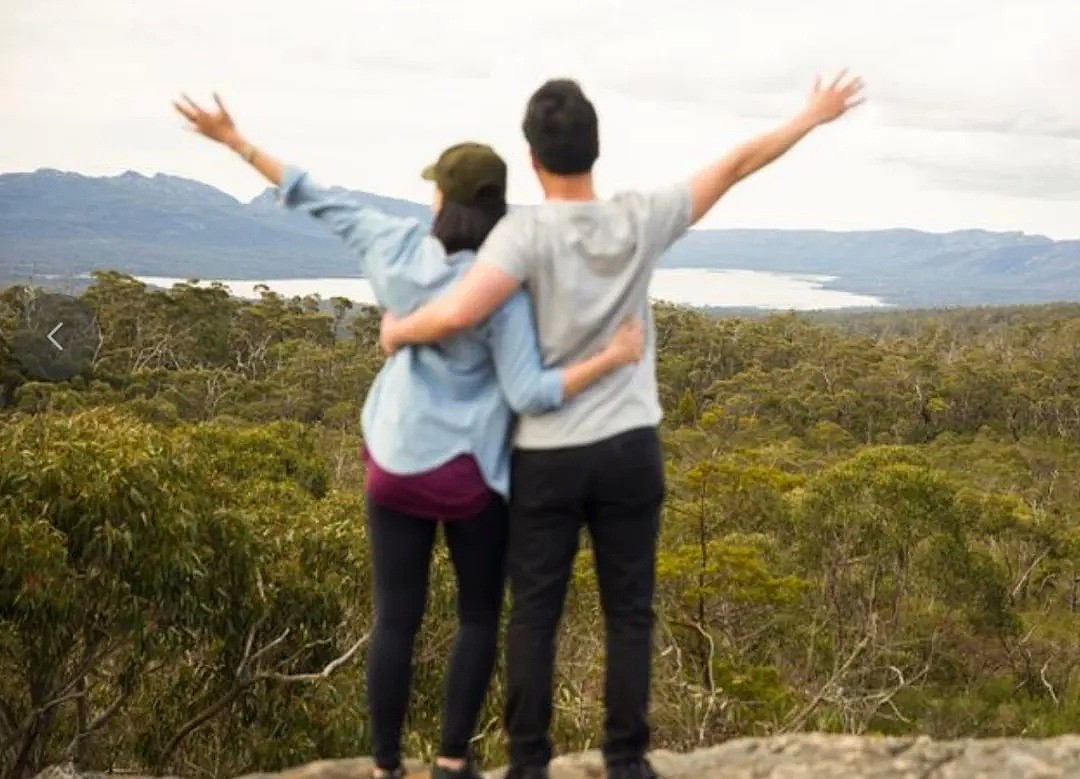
[807, 756]
[831, 757]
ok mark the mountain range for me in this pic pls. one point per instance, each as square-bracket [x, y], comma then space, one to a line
[67, 224]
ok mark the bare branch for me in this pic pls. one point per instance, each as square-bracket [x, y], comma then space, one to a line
[98, 722]
[796, 722]
[1046, 683]
[89, 661]
[1030, 569]
[47, 707]
[250, 661]
[28, 722]
[205, 716]
[330, 667]
[305, 648]
[7, 711]
[245, 680]
[886, 697]
[249, 643]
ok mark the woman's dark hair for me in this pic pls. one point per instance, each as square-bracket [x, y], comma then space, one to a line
[562, 129]
[461, 227]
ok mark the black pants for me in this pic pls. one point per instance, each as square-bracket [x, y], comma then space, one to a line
[615, 488]
[401, 548]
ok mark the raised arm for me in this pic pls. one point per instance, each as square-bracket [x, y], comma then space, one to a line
[528, 386]
[378, 239]
[825, 105]
[219, 126]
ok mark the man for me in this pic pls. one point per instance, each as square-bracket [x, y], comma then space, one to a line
[586, 264]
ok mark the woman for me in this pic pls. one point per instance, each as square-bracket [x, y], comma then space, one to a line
[436, 425]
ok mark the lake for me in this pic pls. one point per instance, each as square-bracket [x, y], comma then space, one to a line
[684, 286]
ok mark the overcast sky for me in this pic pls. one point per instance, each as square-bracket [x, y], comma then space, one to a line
[973, 120]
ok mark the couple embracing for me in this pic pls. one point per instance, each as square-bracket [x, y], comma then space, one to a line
[519, 404]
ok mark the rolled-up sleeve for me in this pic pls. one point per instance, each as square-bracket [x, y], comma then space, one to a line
[362, 228]
[288, 191]
[529, 387]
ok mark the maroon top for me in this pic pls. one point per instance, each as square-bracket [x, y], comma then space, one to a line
[454, 490]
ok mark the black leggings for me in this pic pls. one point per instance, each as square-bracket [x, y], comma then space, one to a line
[401, 547]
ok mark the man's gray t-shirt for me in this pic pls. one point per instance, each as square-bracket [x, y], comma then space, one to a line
[587, 266]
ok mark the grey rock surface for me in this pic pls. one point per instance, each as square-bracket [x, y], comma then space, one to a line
[803, 756]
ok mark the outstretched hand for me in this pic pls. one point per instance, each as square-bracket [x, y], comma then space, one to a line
[215, 125]
[829, 103]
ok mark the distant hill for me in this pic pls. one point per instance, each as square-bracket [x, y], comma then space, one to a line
[906, 267]
[53, 222]
[64, 223]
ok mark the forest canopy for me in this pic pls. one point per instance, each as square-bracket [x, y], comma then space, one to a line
[872, 526]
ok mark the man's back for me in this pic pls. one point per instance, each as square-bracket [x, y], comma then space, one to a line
[587, 265]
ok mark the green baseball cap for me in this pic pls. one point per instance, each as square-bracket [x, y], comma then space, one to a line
[466, 170]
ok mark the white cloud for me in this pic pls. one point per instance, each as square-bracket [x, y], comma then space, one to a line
[973, 119]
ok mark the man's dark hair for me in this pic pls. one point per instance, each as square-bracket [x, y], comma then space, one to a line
[561, 128]
[461, 227]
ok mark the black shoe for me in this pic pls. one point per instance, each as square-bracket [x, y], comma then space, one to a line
[638, 769]
[528, 772]
[468, 772]
[397, 773]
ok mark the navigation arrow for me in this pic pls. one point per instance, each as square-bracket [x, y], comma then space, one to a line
[53, 340]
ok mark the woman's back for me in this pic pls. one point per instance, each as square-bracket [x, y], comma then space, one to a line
[432, 403]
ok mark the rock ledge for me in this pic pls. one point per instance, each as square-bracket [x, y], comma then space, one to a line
[804, 756]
